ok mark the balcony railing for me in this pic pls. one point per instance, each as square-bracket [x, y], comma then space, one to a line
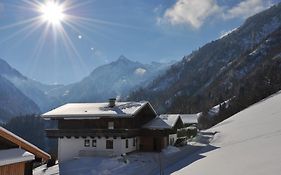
[55, 133]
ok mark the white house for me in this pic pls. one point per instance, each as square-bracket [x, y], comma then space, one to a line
[114, 128]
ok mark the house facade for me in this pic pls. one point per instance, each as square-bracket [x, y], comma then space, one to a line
[17, 155]
[113, 128]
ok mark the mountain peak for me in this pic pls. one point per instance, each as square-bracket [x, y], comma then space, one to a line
[123, 58]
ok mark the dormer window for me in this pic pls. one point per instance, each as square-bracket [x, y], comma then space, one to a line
[110, 125]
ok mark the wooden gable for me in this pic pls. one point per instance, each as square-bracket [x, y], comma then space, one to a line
[11, 140]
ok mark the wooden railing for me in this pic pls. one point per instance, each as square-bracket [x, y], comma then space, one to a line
[55, 133]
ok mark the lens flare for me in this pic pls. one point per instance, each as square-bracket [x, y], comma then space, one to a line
[52, 12]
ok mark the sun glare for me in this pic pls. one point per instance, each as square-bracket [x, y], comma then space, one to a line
[57, 21]
[52, 12]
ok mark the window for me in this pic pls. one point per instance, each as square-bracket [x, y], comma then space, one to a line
[127, 143]
[94, 143]
[134, 142]
[110, 125]
[87, 143]
[172, 141]
[109, 144]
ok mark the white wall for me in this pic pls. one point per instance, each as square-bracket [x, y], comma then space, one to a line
[130, 145]
[69, 148]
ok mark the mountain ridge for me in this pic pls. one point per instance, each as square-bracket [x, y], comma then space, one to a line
[13, 102]
[190, 77]
[114, 79]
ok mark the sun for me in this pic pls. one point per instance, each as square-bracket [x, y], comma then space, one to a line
[52, 12]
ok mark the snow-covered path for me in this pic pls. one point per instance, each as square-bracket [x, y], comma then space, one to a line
[247, 143]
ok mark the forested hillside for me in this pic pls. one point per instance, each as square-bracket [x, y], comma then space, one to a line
[245, 62]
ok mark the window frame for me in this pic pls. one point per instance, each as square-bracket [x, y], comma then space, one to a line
[127, 143]
[94, 143]
[109, 144]
[134, 142]
[87, 143]
[110, 125]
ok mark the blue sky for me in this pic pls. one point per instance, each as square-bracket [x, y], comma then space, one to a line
[99, 31]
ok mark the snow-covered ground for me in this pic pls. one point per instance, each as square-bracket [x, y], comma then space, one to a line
[42, 170]
[247, 143]
[137, 163]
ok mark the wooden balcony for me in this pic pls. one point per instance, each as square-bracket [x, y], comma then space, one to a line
[55, 133]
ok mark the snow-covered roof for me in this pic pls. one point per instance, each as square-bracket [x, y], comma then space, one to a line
[216, 109]
[246, 143]
[163, 121]
[7, 135]
[170, 119]
[157, 123]
[15, 155]
[96, 110]
[190, 118]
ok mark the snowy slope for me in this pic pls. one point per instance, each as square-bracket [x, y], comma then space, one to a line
[247, 143]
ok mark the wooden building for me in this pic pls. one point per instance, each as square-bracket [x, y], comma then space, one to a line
[190, 119]
[114, 128]
[17, 155]
[160, 132]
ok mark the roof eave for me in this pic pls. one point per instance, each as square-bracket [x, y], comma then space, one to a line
[85, 116]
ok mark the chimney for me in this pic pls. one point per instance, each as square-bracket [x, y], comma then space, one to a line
[111, 102]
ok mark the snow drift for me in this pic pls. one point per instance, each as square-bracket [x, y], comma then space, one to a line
[247, 143]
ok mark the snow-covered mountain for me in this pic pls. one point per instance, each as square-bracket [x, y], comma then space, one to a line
[247, 143]
[187, 86]
[115, 79]
[34, 90]
[13, 102]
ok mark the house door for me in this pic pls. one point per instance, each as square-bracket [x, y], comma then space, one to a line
[156, 144]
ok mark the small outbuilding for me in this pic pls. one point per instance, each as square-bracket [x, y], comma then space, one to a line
[17, 155]
[190, 119]
[163, 132]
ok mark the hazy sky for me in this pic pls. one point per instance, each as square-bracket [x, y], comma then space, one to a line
[95, 32]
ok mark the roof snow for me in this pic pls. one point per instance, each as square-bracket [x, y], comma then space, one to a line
[216, 109]
[80, 110]
[247, 143]
[164, 121]
[170, 119]
[190, 118]
[15, 155]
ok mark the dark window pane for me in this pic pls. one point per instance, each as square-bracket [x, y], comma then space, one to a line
[109, 144]
[94, 143]
[134, 142]
[87, 143]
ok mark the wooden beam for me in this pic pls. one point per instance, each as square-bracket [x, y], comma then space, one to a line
[24, 144]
